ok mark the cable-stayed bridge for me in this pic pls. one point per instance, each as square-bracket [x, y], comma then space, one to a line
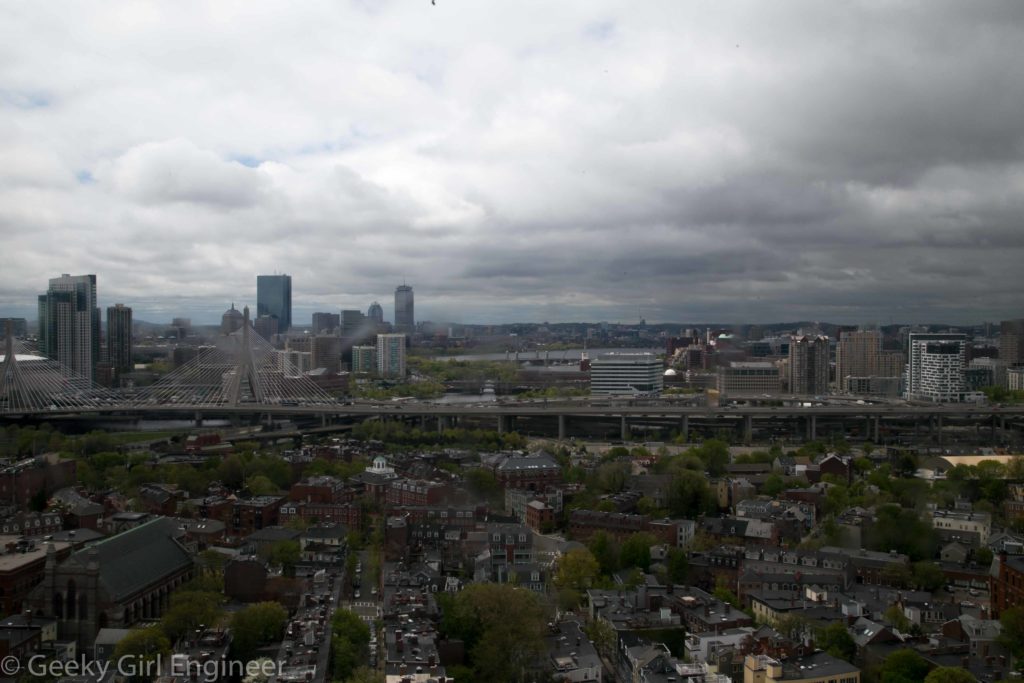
[240, 369]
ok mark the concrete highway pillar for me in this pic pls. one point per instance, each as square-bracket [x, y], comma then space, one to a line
[440, 423]
[501, 424]
[938, 428]
[748, 429]
[684, 428]
[878, 429]
[199, 419]
[323, 419]
[867, 427]
[812, 427]
[624, 429]
[423, 422]
[561, 427]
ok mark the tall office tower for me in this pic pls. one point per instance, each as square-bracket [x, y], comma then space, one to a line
[808, 365]
[353, 323]
[935, 366]
[1011, 342]
[69, 323]
[327, 352]
[19, 327]
[391, 355]
[119, 339]
[325, 322]
[375, 313]
[857, 355]
[266, 326]
[405, 321]
[274, 298]
[891, 363]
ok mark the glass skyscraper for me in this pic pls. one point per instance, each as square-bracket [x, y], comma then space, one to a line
[405, 321]
[274, 298]
[119, 338]
[69, 324]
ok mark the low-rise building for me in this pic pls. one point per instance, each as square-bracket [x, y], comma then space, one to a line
[969, 528]
[819, 667]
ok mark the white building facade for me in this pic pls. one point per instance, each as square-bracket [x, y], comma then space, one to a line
[627, 374]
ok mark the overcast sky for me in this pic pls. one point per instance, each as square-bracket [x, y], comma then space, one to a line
[519, 161]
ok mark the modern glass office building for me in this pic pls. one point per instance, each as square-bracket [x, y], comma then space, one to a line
[274, 298]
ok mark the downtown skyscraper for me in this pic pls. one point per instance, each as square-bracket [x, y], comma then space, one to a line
[274, 298]
[808, 365]
[405, 320]
[69, 324]
[119, 339]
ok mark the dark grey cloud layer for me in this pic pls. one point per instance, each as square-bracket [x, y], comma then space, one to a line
[741, 161]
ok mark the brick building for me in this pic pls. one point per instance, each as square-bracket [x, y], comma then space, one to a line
[416, 492]
[323, 489]
[21, 569]
[20, 481]
[532, 472]
[349, 514]
[1008, 585]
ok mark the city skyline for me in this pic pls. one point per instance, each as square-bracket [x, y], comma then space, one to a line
[737, 162]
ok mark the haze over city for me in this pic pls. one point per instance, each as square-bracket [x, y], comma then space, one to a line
[519, 161]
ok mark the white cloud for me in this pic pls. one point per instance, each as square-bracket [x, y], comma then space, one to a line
[517, 159]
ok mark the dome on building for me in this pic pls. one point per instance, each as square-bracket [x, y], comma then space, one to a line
[670, 373]
[231, 321]
[380, 465]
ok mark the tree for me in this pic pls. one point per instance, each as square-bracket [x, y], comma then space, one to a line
[1012, 635]
[365, 674]
[143, 647]
[836, 640]
[862, 466]
[482, 484]
[611, 477]
[677, 566]
[714, 453]
[725, 594]
[502, 627]
[602, 635]
[350, 637]
[689, 495]
[605, 552]
[254, 626]
[260, 485]
[636, 551]
[895, 617]
[904, 666]
[928, 576]
[773, 485]
[950, 674]
[287, 554]
[902, 530]
[188, 610]
[577, 569]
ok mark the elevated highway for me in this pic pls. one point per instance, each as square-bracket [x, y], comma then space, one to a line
[868, 421]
